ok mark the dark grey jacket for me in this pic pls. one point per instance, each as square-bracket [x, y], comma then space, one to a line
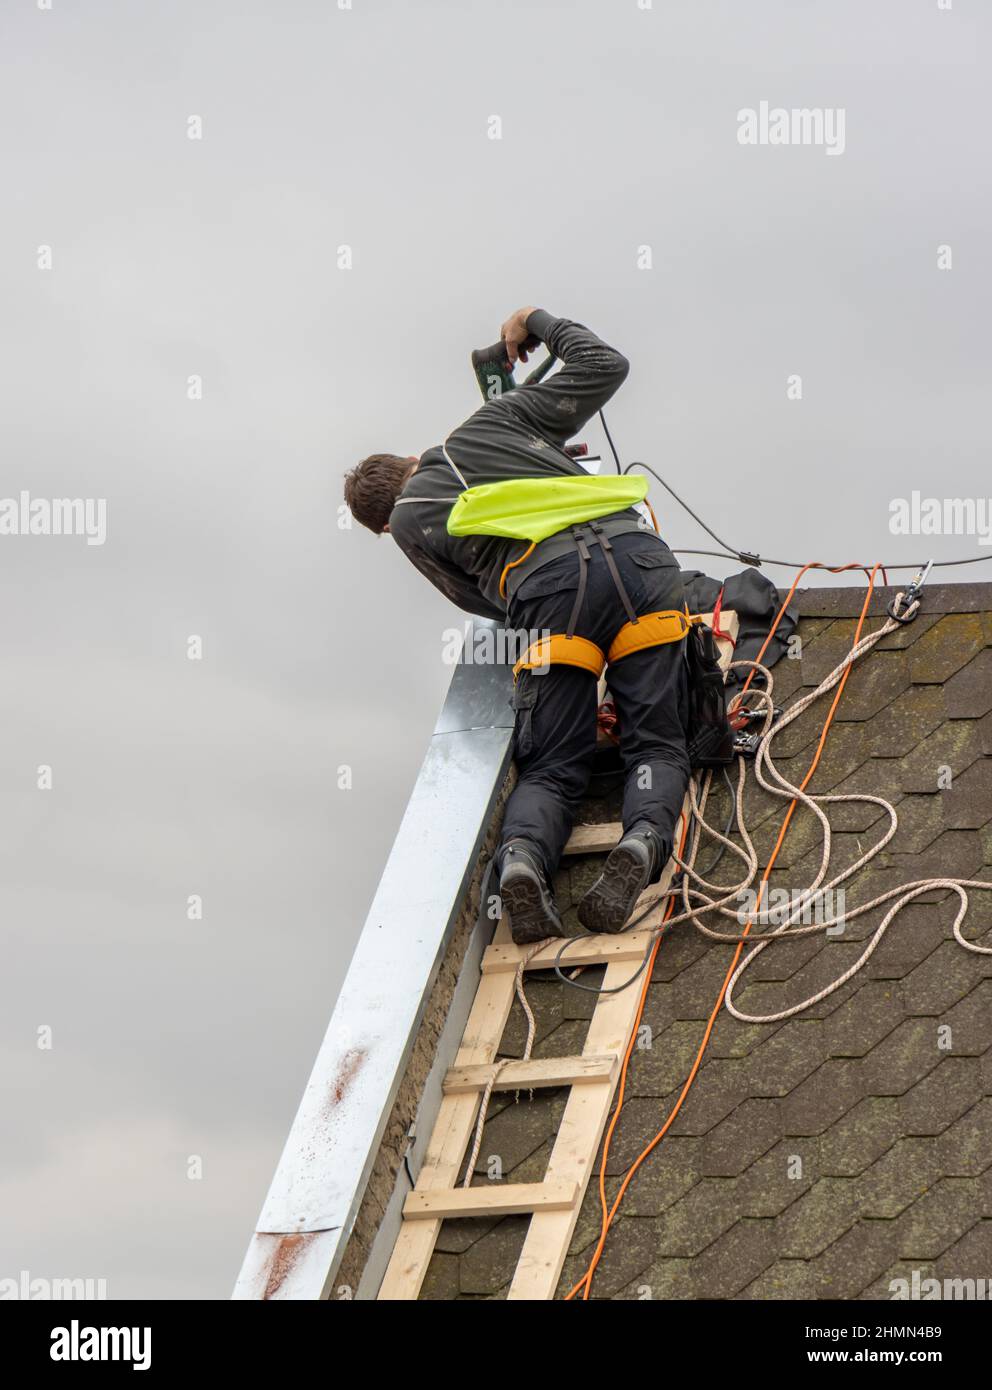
[520, 434]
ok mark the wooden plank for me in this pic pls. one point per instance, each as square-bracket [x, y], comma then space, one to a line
[490, 1199]
[530, 1076]
[452, 1131]
[582, 950]
[594, 839]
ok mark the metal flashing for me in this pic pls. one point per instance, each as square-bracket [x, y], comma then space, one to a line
[321, 1177]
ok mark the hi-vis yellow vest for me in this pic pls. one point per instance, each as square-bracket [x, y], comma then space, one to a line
[531, 509]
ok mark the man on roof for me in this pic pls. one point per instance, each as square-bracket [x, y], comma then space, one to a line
[590, 584]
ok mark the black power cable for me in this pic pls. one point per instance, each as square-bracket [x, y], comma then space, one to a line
[609, 440]
[730, 822]
[751, 557]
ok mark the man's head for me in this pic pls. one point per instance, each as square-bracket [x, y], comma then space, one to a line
[372, 487]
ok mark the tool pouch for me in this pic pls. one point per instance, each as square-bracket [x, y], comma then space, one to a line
[711, 740]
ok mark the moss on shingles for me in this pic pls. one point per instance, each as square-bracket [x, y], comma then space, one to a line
[946, 648]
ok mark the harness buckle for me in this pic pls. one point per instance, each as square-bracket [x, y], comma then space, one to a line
[745, 744]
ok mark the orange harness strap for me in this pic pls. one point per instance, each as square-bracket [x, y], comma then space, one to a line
[561, 650]
[512, 566]
[650, 630]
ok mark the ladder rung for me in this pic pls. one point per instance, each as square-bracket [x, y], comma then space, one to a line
[503, 1199]
[584, 950]
[594, 839]
[532, 1075]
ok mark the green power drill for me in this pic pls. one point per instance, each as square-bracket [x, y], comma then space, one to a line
[494, 373]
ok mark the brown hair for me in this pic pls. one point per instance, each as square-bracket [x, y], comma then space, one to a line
[372, 487]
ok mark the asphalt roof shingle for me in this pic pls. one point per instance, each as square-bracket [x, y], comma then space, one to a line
[826, 1155]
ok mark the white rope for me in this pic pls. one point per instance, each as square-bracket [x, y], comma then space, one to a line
[773, 781]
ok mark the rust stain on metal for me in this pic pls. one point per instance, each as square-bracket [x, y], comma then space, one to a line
[286, 1253]
[351, 1064]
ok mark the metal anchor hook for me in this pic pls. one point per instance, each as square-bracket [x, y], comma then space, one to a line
[899, 608]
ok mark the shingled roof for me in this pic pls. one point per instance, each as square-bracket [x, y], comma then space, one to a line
[824, 1156]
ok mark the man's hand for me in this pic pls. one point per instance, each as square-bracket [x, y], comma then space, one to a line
[514, 334]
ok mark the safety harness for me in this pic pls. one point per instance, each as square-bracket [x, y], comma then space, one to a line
[532, 509]
[647, 630]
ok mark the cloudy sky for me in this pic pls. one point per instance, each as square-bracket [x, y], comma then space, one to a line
[183, 1045]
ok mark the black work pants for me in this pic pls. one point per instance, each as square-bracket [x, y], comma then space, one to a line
[555, 728]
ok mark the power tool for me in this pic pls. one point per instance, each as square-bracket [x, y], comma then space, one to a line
[494, 373]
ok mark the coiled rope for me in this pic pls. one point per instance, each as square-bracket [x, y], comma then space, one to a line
[780, 786]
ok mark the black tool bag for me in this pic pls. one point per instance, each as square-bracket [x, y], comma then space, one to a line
[711, 740]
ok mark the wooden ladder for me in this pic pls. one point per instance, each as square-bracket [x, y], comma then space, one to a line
[554, 1203]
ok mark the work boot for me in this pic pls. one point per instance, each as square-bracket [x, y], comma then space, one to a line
[524, 892]
[627, 872]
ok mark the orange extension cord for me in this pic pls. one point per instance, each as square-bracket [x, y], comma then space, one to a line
[609, 1212]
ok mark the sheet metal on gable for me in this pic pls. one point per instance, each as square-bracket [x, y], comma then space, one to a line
[321, 1177]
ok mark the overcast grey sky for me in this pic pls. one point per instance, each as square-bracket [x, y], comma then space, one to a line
[219, 258]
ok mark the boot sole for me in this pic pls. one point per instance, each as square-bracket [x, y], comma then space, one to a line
[610, 900]
[528, 920]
